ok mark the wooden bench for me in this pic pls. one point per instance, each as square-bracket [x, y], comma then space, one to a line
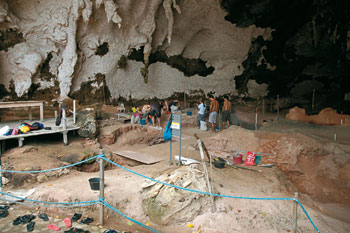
[28, 104]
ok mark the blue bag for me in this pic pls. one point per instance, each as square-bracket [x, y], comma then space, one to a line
[167, 131]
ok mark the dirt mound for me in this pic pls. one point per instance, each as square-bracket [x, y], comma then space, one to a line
[319, 170]
[167, 205]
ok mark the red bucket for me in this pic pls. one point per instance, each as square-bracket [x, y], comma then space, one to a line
[237, 159]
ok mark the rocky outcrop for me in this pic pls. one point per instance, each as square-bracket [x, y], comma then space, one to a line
[326, 116]
[166, 205]
[86, 120]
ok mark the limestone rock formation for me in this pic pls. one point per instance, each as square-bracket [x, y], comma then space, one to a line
[86, 120]
[74, 40]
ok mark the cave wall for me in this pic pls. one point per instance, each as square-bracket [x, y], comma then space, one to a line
[64, 45]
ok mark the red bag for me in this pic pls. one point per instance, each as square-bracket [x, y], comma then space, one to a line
[250, 161]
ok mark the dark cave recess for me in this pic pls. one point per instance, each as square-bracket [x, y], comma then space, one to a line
[309, 42]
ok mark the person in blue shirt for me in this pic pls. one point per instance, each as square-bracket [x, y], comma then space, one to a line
[201, 112]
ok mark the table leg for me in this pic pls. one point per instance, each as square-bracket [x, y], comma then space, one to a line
[42, 112]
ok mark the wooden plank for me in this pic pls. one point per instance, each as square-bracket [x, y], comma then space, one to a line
[143, 158]
[200, 145]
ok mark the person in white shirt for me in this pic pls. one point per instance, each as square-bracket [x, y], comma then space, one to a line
[201, 112]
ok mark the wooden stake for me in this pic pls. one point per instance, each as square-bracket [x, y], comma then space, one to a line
[204, 148]
[263, 107]
[256, 119]
[213, 208]
[278, 106]
[313, 99]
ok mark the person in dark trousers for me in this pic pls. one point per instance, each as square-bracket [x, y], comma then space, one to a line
[226, 112]
[156, 113]
[214, 108]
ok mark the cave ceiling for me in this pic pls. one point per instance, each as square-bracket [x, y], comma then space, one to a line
[155, 48]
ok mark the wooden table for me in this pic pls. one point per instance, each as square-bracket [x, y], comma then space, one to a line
[29, 104]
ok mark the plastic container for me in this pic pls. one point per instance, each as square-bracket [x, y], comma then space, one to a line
[189, 113]
[237, 159]
[203, 126]
[219, 162]
[143, 121]
[258, 159]
[94, 183]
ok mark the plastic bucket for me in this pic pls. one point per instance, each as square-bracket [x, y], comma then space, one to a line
[94, 183]
[258, 159]
[189, 113]
[203, 126]
[237, 160]
[143, 121]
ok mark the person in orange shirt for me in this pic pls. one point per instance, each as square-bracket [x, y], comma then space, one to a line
[226, 112]
[213, 112]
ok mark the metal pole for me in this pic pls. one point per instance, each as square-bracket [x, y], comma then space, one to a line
[0, 169]
[180, 143]
[74, 111]
[295, 212]
[170, 156]
[102, 183]
[335, 133]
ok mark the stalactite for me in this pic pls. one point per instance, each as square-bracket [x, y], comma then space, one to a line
[167, 5]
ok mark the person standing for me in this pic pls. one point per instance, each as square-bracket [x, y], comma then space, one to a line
[226, 112]
[156, 113]
[214, 108]
[201, 112]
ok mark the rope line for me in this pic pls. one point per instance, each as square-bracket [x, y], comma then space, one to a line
[101, 201]
[215, 194]
[51, 206]
[54, 169]
[54, 203]
[125, 216]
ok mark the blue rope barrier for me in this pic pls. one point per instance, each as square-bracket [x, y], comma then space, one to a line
[215, 194]
[54, 203]
[51, 206]
[125, 216]
[54, 169]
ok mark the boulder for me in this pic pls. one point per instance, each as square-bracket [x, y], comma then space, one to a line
[86, 120]
[167, 205]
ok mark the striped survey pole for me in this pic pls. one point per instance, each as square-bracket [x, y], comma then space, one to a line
[295, 212]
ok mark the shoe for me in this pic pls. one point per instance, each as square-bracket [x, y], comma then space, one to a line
[87, 220]
[68, 222]
[76, 217]
[3, 213]
[43, 216]
[30, 226]
[27, 218]
[53, 227]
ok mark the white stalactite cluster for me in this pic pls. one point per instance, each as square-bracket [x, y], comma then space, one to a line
[72, 31]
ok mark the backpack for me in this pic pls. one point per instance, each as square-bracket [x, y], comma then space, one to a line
[167, 131]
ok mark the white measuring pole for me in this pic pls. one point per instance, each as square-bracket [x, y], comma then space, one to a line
[102, 190]
[295, 212]
[74, 111]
